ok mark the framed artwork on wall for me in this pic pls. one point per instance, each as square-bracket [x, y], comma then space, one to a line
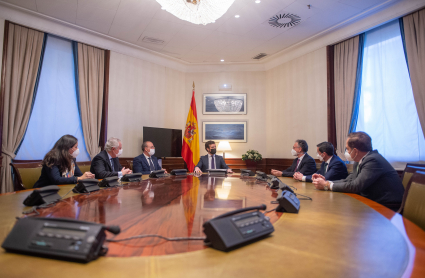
[224, 104]
[224, 131]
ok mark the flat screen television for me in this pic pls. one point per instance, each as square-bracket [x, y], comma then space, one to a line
[167, 142]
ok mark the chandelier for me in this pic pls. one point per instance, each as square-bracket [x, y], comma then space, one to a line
[228, 105]
[197, 11]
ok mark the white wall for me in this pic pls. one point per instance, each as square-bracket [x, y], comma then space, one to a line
[251, 83]
[296, 105]
[141, 94]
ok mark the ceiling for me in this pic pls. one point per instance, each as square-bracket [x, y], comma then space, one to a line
[229, 38]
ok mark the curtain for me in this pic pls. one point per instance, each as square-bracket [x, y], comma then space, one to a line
[91, 72]
[414, 36]
[346, 65]
[387, 110]
[56, 104]
[24, 47]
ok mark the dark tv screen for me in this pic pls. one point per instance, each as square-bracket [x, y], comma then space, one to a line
[167, 142]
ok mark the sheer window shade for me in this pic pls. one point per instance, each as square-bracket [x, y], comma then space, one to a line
[387, 109]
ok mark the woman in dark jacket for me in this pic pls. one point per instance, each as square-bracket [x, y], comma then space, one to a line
[59, 166]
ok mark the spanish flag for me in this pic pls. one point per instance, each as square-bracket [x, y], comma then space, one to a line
[190, 149]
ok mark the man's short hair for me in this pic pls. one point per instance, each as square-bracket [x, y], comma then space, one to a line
[360, 140]
[208, 144]
[112, 143]
[303, 145]
[144, 145]
[326, 147]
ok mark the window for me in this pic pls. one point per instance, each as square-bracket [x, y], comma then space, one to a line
[387, 109]
[55, 111]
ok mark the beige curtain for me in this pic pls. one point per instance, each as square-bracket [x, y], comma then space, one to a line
[345, 66]
[24, 47]
[414, 32]
[91, 71]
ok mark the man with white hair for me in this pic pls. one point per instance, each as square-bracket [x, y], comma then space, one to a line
[106, 163]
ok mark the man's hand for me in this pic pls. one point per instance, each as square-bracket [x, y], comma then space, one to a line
[276, 173]
[229, 170]
[298, 176]
[86, 175]
[164, 170]
[319, 183]
[317, 176]
[125, 171]
[197, 170]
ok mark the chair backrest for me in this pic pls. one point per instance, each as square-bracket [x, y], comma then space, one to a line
[84, 166]
[414, 208]
[409, 171]
[130, 163]
[26, 174]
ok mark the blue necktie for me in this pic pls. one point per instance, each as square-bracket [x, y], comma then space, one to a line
[151, 164]
[112, 164]
[212, 162]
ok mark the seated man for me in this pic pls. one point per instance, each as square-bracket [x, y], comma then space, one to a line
[332, 168]
[106, 163]
[146, 162]
[211, 160]
[373, 177]
[304, 163]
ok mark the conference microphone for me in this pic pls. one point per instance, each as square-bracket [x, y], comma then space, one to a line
[113, 229]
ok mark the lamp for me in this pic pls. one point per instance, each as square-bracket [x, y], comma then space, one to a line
[197, 11]
[224, 146]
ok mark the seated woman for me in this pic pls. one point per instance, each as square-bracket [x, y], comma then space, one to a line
[59, 166]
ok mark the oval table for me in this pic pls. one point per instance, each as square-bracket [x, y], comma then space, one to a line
[333, 235]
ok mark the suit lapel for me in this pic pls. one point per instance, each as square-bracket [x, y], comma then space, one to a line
[108, 162]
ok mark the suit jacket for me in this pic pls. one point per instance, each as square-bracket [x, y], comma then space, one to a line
[375, 179]
[141, 164]
[101, 166]
[336, 170]
[307, 167]
[219, 163]
[52, 176]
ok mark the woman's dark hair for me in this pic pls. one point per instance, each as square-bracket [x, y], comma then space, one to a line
[59, 155]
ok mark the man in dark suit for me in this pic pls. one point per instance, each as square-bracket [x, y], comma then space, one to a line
[146, 162]
[211, 160]
[332, 168]
[106, 163]
[304, 163]
[373, 177]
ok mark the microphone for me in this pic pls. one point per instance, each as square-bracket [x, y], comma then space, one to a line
[113, 229]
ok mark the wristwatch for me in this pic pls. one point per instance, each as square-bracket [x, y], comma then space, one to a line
[327, 186]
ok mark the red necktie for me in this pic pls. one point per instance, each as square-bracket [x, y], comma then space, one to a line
[298, 162]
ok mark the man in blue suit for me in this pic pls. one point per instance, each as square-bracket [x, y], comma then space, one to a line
[332, 168]
[374, 177]
[146, 162]
[211, 160]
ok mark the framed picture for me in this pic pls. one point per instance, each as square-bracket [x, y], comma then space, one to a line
[224, 104]
[224, 131]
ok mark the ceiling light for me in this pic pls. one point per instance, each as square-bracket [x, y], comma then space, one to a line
[197, 11]
[237, 16]
[257, 1]
[221, 60]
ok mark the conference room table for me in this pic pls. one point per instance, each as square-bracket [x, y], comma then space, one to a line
[332, 235]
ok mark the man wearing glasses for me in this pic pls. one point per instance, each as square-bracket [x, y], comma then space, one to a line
[304, 163]
[373, 177]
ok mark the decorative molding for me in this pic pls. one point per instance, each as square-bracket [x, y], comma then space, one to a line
[386, 11]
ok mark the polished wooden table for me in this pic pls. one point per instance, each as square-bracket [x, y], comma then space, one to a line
[334, 235]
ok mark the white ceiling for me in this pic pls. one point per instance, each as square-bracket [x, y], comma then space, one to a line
[229, 38]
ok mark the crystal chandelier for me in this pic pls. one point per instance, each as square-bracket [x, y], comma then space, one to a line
[197, 11]
[228, 105]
